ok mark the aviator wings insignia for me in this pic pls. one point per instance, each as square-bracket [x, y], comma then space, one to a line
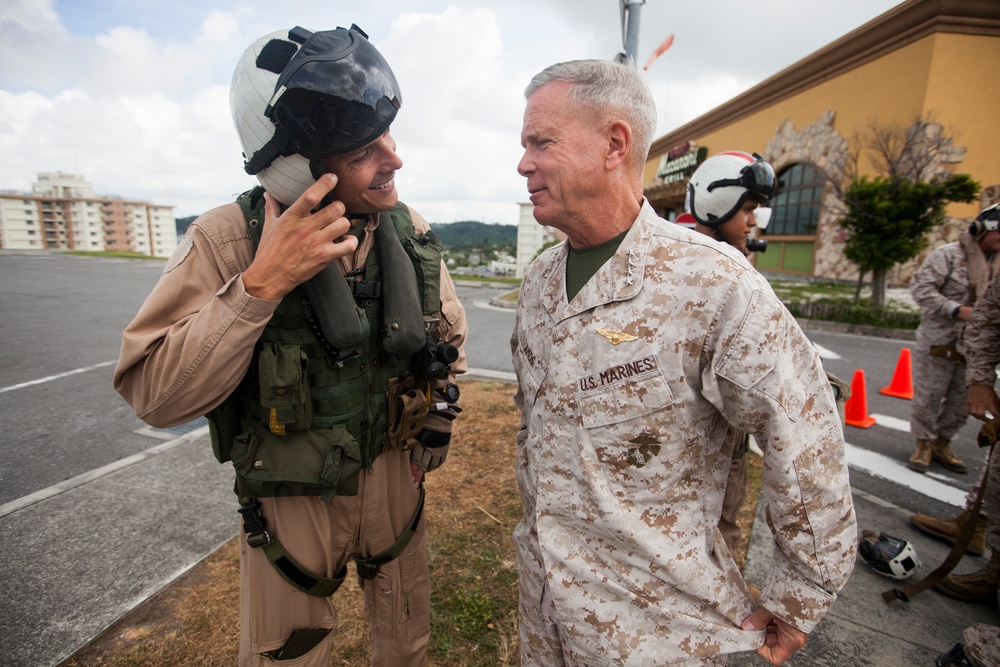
[617, 336]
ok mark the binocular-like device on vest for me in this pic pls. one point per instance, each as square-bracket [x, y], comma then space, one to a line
[433, 361]
[756, 245]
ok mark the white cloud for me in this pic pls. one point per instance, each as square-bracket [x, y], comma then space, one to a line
[134, 96]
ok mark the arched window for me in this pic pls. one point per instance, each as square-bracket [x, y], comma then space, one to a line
[796, 206]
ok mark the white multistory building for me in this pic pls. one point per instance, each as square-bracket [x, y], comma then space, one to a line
[63, 213]
[531, 236]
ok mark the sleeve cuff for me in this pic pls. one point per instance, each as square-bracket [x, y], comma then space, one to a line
[793, 600]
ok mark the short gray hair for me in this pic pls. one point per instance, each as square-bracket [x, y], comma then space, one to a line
[606, 86]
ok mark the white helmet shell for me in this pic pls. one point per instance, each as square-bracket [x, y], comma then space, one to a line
[722, 183]
[298, 97]
[252, 87]
[887, 555]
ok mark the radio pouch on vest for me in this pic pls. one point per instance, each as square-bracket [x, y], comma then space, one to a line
[284, 388]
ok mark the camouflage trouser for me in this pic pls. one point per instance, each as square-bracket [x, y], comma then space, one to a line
[982, 644]
[991, 501]
[982, 641]
[938, 409]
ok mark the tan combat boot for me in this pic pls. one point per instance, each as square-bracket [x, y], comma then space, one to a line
[979, 586]
[949, 529]
[921, 459]
[941, 452]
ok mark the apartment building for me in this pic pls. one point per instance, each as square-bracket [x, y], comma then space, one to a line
[531, 236]
[63, 213]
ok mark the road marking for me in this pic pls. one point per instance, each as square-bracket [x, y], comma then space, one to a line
[486, 305]
[883, 467]
[826, 353]
[894, 423]
[57, 377]
[97, 473]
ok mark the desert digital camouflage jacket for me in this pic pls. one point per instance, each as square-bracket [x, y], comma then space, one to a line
[625, 395]
[941, 284]
[982, 337]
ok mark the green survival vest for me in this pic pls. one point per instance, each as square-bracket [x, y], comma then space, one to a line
[307, 417]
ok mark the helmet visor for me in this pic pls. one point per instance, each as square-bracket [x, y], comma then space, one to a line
[335, 95]
[757, 178]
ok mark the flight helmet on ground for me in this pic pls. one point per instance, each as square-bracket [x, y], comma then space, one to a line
[889, 556]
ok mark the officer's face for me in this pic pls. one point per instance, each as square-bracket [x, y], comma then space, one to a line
[563, 159]
[738, 228]
[990, 243]
[366, 178]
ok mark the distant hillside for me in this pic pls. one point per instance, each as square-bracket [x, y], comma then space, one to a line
[471, 235]
[456, 236]
[182, 225]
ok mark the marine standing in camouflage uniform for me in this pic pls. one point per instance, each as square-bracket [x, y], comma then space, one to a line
[982, 353]
[637, 346]
[945, 288]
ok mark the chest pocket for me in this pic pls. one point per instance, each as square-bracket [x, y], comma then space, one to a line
[629, 424]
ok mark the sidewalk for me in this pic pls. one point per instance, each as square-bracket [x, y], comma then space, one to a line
[60, 599]
[862, 629]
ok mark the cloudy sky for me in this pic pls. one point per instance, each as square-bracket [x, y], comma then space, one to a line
[133, 94]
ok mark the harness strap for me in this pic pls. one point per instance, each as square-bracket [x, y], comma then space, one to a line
[368, 567]
[951, 560]
[305, 580]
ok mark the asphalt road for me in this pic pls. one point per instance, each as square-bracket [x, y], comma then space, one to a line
[98, 512]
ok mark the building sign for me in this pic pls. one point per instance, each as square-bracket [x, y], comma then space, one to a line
[680, 162]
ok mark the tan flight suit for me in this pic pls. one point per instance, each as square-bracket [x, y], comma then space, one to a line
[626, 395]
[186, 350]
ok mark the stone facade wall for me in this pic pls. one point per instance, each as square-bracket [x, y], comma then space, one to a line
[822, 146]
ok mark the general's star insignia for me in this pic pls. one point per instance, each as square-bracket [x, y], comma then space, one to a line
[617, 336]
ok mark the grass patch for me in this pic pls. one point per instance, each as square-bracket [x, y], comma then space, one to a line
[834, 302]
[472, 508]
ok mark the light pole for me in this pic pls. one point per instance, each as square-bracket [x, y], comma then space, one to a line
[631, 11]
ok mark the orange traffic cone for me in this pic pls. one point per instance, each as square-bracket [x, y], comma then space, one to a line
[856, 408]
[902, 380]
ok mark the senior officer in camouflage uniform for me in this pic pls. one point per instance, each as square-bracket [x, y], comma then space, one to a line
[314, 365]
[945, 287]
[637, 345]
[982, 353]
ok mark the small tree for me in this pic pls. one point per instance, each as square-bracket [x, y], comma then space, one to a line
[889, 218]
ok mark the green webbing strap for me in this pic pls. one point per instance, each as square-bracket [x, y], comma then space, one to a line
[300, 577]
[368, 567]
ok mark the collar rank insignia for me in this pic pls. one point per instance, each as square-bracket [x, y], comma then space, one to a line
[617, 336]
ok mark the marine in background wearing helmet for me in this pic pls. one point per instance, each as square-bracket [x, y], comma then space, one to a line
[729, 188]
[315, 324]
[946, 287]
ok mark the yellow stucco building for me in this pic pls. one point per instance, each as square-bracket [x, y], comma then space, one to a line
[925, 59]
